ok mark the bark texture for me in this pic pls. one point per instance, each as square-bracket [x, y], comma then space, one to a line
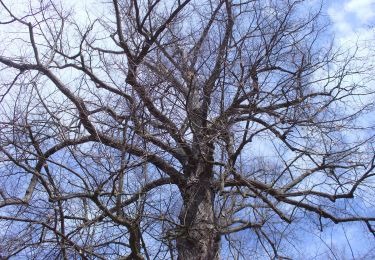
[199, 237]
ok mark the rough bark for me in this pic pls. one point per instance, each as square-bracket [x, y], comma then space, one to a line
[198, 237]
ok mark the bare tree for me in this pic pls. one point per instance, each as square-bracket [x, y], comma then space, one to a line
[177, 129]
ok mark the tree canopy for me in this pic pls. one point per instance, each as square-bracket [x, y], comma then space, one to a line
[178, 129]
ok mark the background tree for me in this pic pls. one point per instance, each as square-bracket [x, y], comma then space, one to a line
[177, 129]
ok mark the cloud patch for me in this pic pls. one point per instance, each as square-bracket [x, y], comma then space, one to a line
[352, 16]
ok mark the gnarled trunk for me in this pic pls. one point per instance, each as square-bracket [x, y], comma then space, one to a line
[199, 238]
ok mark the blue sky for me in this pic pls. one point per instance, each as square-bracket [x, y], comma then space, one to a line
[353, 23]
[352, 16]
[352, 20]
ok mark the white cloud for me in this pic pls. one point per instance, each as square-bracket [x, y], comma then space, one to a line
[351, 20]
[363, 9]
[339, 20]
[352, 16]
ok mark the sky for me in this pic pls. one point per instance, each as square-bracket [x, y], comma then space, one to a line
[353, 23]
[352, 20]
[352, 16]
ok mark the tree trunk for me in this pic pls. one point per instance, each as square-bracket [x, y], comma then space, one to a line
[199, 238]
